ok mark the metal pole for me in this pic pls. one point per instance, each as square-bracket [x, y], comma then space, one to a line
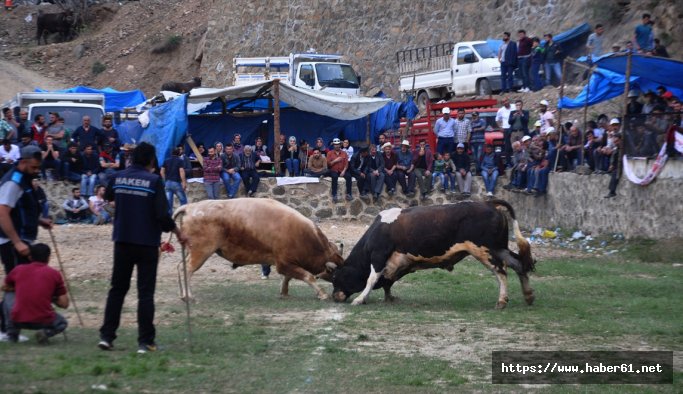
[585, 116]
[559, 116]
[276, 124]
[627, 87]
[66, 281]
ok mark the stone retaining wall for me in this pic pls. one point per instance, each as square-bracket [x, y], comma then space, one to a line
[573, 201]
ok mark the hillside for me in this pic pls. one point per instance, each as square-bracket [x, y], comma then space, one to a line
[116, 47]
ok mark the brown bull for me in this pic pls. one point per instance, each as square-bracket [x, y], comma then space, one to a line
[285, 238]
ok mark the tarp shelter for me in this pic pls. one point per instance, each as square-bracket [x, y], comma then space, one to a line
[608, 79]
[114, 100]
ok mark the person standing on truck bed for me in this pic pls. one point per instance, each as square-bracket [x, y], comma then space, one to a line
[507, 56]
[445, 132]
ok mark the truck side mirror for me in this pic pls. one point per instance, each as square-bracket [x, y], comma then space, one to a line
[359, 80]
[470, 58]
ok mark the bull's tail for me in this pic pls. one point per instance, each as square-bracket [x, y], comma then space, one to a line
[180, 211]
[528, 263]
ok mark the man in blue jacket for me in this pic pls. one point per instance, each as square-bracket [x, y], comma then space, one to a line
[141, 215]
[507, 56]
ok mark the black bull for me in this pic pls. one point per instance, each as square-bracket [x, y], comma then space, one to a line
[401, 241]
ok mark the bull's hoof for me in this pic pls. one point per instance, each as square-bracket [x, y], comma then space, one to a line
[358, 301]
[529, 299]
[284, 296]
[188, 299]
[391, 299]
[323, 297]
[501, 305]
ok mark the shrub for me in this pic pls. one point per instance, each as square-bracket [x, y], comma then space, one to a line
[98, 67]
[171, 43]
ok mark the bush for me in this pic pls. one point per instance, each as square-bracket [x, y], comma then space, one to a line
[169, 45]
[98, 67]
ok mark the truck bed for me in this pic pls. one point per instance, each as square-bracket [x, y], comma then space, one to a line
[430, 79]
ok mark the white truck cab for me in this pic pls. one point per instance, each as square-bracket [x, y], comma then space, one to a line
[450, 69]
[313, 71]
[70, 106]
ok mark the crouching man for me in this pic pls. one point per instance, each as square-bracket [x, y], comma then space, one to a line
[30, 290]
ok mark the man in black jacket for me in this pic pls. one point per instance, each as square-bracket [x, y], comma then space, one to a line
[141, 215]
[462, 170]
[359, 167]
[519, 127]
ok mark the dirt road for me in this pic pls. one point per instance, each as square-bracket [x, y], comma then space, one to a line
[15, 78]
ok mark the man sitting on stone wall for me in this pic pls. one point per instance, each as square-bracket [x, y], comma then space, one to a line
[360, 169]
[76, 208]
[377, 172]
[317, 164]
[405, 168]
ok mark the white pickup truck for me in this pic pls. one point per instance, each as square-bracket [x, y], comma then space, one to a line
[451, 69]
[70, 106]
[314, 71]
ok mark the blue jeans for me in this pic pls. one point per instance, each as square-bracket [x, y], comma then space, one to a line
[231, 182]
[536, 76]
[507, 77]
[439, 175]
[477, 152]
[523, 63]
[88, 184]
[105, 175]
[70, 175]
[44, 209]
[106, 218]
[292, 166]
[14, 328]
[213, 190]
[449, 179]
[445, 144]
[489, 179]
[174, 188]
[518, 179]
[55, 165]
[542, 179]
[552, 68]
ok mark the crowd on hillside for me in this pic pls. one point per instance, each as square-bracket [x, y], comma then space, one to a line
[531, 55]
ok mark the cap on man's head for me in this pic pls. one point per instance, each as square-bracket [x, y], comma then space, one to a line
[614, 121]
[405, 142]
[460, 145]
[336, 141]
[31, 152]
[667, 95]
[446, 110]
[387, 144]
[537, 124]
[475, 113]
[544, 102]
[549, 130]
[526, 138]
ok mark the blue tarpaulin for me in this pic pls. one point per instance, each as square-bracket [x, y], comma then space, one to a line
[167, 126]
[114, 100]
[647, 73]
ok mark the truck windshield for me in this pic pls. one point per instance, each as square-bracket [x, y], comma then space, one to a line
[484, 51]
[73, 116]
[336, 76]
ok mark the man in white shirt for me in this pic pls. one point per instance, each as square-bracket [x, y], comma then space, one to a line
[445, 132]
[9, 154]
[503, 114]
[546, 117]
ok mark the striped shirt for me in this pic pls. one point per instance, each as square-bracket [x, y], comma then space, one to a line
[463, 128]
[212, 169]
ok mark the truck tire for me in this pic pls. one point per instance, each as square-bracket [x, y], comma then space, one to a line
[421, 101]
[484, 87]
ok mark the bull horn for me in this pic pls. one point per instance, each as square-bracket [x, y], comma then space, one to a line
[331, 266]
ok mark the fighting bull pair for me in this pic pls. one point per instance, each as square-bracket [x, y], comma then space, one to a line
[398, 242]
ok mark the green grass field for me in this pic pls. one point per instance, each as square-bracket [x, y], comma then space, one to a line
[437, 338]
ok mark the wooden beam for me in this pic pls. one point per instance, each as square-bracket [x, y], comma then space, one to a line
[276, 125]
[559, 116]
[194, 149]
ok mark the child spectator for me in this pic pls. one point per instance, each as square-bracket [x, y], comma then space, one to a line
[439, 165]
[76, 208]
[489, 169]
[98, 207]
[30, 289]
[461, 162]
[213, 166]
[449, 172]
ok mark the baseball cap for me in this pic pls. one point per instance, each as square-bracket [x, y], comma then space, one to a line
[666, 95]
[526, 138]
[336, 141]
[549, 130]
[537, 124]
[405, 142]
[544, 102]
[475, 113]
[31, 152]
[460, 145]
[386, 144]
[446, 110]
[614, 121]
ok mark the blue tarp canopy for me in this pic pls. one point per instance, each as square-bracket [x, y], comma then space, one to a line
[568, 39]
[647, 73]
[114, 100]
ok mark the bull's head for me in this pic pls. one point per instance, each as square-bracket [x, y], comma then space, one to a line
[336, 260]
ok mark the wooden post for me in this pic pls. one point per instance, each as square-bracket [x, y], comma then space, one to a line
[627, 87]
[276, 125]
[367, 130]
[559, 115]
[585, 115]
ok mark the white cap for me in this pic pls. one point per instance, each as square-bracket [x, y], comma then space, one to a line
[537, 124]
[526, 138]
[614, 121]
[336, 141]
[544, 102]
[405, 142]
[549, 130]
[446, 110]
[460, 145]
[387, 144]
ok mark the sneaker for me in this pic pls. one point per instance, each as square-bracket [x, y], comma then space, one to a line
[41, 337]
[335, 199]
[489, 194]
[349, 197]
[105, 345]
[391, 192]
[143, 348]
[508, 187]
[611, 195]
[264, 277]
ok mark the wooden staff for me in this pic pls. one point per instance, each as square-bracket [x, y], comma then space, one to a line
[627, 88]
[585, 116]
[66, 281]
[559, 116]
